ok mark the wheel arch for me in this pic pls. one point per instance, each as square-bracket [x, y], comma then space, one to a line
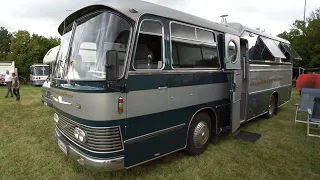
[276, 96]
[213, 116]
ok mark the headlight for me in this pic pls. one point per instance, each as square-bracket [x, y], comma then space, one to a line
[56, 117]
[80, 135]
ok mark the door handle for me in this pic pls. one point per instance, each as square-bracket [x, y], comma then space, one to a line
[162, 87]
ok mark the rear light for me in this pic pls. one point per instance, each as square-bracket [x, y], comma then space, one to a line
[120, 105]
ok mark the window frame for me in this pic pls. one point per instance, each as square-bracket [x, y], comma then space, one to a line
[268, 48]
[153, 34]
[193, 42]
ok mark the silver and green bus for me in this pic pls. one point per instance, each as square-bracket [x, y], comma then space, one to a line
[135, 81]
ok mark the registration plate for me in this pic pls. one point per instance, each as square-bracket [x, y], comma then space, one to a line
[62, 146]
[46, 104]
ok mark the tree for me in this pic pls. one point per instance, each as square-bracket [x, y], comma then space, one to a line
[29, 49]
[19, 51]
[305, 39]
[5, 36]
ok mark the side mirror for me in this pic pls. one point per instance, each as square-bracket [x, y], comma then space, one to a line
[112, 66]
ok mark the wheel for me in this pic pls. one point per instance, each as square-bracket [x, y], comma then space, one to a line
[199, 134]
[272, 107]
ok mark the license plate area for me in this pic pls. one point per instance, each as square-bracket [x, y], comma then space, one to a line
[62, 146]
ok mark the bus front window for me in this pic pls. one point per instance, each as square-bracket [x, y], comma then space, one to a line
[41, 71]
[92, 39]
[62, 55]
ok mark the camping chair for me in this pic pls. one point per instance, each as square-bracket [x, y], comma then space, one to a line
[306, 102]
[314, 117]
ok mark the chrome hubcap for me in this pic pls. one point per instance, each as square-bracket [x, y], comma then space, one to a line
[271, 105]
[201, 134]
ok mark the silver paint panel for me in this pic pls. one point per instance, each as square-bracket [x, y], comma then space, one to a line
[274, 72]
[236, 100]
[181, 97]
[104, 106]
[94, 106]
[147, 102]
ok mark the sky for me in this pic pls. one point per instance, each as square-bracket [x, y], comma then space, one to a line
[44, 16]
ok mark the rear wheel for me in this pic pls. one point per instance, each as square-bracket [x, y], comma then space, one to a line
[272, 107]
[199, 134]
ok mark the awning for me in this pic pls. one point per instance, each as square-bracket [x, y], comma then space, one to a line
[273, 48]
[291, 51]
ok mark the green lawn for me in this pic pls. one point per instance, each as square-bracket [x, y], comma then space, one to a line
[28, 149]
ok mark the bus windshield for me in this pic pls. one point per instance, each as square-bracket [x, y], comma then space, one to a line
[40, 71]
[62, 55]
[93, 37]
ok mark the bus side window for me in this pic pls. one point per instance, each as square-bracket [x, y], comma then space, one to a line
[149, 52]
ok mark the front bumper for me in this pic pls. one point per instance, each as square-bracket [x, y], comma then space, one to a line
[46, 101]
[37, 83]
[111, 164]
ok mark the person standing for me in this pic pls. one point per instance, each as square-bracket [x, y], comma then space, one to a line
[16, 86]
[8, 81]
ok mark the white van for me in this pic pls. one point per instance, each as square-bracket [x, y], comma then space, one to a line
[49, 59]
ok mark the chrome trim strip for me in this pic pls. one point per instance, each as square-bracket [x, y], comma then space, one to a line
[98, 152]
[255, 92]
[256, 116]
[284, 103]
[153, 134]
[176, 71]
[222, 105]
[260, 70]
[155, 158]
[260, 65]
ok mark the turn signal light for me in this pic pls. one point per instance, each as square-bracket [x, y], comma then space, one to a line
[120, 105]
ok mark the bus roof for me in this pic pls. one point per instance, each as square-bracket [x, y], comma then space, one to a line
[51, 55]
[142, 7]
[35, 65]
[242, 28]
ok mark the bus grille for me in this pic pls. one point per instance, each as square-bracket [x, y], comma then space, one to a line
[99, 139]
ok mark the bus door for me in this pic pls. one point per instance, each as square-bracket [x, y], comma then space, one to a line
[232, 62]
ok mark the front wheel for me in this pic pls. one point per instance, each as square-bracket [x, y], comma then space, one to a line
[199, 134]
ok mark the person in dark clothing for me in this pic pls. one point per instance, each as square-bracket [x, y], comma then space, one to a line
[16, 86]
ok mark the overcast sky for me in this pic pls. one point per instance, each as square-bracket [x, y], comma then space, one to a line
[44, 16]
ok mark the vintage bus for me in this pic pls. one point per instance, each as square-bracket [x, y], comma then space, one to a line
[38, 74]
[157, 81]
[49, 59]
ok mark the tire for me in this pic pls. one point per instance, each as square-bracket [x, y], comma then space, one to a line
[272, 107]
[199, 134]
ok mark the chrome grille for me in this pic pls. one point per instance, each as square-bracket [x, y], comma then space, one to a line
[99, 139]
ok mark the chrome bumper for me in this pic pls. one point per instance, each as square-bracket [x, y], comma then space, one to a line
[111, 164]
[46, 101]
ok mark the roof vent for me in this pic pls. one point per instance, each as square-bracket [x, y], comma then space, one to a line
[224, 19]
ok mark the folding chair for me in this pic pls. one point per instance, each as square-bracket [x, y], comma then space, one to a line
[314, 117]
[306, 102]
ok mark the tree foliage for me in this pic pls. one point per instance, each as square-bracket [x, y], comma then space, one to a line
[5, 36]
[305, 39]
[26, 49]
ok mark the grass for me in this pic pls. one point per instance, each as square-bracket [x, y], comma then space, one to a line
[28, 149]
